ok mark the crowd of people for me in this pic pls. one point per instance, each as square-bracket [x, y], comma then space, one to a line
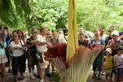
[17, 48]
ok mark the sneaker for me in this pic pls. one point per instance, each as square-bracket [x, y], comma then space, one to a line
[32, 77]
[9, 70]
[38, 76]
[41, 81]
[24, 74]
[94, 76]
[102, 73]
[99, 78]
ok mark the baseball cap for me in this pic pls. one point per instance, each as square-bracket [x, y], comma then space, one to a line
[115, 33]
[121, 33]
[109, 50]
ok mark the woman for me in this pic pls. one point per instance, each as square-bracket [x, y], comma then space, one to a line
[24, 40]
[97, 64]
[3, 58]
[21, 36]
[18, 60]
[32, 60]
[54, 39]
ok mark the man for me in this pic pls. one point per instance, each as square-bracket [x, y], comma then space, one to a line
[54, 39]
[42, 45]
[111, 29]
[103, 36]
[82, 31]
[114, 42]
[82, 40]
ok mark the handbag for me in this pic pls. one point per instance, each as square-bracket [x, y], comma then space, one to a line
[24, 50]
[39, 57]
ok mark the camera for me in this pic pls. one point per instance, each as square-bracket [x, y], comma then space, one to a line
[1, 46]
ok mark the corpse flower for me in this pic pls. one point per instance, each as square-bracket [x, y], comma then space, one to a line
[79, 67]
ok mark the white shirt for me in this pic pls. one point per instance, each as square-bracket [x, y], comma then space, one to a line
[62, 39]
[103, 37]
[17, 52]
[43, 48]
[119, 60]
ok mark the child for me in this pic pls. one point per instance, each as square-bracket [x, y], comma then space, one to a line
[118, 64]
[3, 58]
[107, 63]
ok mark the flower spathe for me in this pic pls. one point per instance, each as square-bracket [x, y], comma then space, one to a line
[79, 67]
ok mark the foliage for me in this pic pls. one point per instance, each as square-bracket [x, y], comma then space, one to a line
[12, 13]
[10, 6]
[55, 77]
[48, 12]
[91, 14]
[99, 13]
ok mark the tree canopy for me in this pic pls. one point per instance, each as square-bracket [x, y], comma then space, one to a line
[91, 14]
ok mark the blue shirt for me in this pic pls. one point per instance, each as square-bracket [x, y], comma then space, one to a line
[7, 40]
[101, 54]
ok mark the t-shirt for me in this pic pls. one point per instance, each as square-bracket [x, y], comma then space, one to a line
[7, 40]
[43, 48]
[100, 42]
[63, 39]
[32, 49]
[103, 37]
[114, 47]
[17, 52]
[119, 60]
[108, 62]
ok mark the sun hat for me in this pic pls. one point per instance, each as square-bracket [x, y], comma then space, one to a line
[109, 50]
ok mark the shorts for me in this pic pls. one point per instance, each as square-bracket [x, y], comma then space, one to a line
[45, 63]
[3, 59]
[108, 71]
[119, 71]
[32, 60]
